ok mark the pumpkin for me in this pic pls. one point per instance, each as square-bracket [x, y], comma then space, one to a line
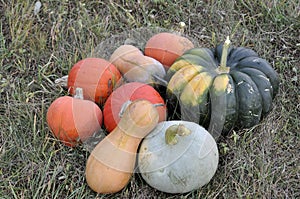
[222, 88]
[166, 47]
[120, 98]
[72, 119]
[96, 76]
[178, 157]
[136, 67]
[111, 163]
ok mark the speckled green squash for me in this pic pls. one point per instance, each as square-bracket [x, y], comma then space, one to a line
[221, 95]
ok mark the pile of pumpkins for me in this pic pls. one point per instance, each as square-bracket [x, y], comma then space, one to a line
[163, 108]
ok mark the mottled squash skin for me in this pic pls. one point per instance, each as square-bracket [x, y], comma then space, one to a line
[178, 166]
[221, 100]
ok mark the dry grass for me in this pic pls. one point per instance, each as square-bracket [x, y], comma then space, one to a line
[262, 162]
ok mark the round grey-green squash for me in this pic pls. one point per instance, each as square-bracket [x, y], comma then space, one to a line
[178, 157]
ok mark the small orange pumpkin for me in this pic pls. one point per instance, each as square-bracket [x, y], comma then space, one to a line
[96, 76]
[124, 95]
[167, 47]
[72, 120]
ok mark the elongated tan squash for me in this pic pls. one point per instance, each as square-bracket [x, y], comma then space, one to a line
[112, 162]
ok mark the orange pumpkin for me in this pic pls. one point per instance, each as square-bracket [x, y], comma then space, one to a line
[96, 76]
[73, 120]
[167, 47]
[120, 98]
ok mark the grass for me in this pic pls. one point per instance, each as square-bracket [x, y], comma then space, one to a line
[262, 162]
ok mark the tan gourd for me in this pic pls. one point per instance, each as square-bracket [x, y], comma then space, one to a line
[112, 162]
[136, 67]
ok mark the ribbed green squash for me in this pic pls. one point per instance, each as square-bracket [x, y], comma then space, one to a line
[221, 93]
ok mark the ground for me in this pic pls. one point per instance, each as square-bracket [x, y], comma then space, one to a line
[36, 49]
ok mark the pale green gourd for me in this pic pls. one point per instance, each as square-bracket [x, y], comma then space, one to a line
[178, 157]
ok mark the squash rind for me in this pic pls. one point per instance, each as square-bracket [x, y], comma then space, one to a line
[254, 81]
[264, 86]
[185, 166]
[263, 66]
[249, 100]
[224, 106]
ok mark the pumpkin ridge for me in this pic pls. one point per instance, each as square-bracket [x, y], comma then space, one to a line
[198, 86]
[194, 59]
[224, 106]
[91, 74]
[238, 54]
[203, 53]
[129, 60]
[176, 66]
[60, 134]
[195, 99]
[264, 86]
[182, 77]
[250, 101]
[110, 82]
[263, 66]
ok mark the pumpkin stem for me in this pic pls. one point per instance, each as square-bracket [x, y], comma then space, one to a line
[124, 107]
[173, 131]
[78, 93]
[223, 67]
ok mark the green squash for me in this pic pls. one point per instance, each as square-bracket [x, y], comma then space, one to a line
[221, 88]
[178, 157]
